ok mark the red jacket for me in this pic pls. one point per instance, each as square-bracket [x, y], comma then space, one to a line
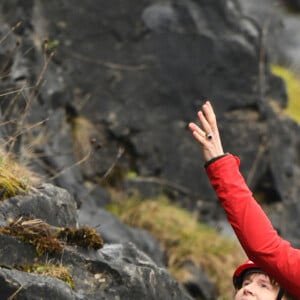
[254, 230]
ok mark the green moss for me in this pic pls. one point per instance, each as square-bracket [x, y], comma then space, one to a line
[131, 175]
[292, 82]
[51, 45]
[55, 271]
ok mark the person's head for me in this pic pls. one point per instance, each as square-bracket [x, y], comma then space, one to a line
[251, 282]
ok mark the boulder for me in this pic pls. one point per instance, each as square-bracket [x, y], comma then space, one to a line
[114, 271]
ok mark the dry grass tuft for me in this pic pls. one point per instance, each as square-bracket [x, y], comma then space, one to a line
[83, 132]
[14, 178]
[185, 239]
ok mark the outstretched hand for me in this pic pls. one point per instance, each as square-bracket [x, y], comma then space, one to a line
[208, 134]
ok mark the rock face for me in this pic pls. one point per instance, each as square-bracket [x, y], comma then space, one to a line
[117, 271]
[280, 24]
[93, 91]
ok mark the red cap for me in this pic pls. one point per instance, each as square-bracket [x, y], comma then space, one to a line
[246, 268]
[242, 269]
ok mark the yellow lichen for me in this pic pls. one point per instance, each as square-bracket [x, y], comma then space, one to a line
[292, 81]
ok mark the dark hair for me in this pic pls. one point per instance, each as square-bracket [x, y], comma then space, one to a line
[238, 282]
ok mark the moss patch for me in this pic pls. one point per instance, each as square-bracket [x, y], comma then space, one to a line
[84, 237]
[34, 232]
[292, 82]
[50, 239]
[55, 271]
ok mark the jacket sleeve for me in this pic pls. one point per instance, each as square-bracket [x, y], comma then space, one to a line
[254, 230]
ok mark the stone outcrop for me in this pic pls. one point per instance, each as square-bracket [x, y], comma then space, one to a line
[116, 271]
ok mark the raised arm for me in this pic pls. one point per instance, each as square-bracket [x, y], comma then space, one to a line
[253, 228]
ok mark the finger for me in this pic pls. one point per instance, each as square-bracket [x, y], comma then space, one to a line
[193, 127]
[199, 137]
[209, 113]
[204, 122]
[211, 118]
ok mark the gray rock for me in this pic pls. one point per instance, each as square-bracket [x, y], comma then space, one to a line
[52, 204]
[118, 271]
[113, 231]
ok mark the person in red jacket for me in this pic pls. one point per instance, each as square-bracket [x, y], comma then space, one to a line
[261, 242]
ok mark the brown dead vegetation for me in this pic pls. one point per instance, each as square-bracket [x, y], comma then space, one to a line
[51, 239]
